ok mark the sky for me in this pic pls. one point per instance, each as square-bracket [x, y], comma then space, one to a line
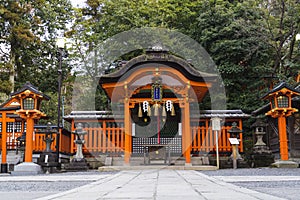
[78, 3]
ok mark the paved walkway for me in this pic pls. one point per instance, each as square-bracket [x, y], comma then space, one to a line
[160, 184]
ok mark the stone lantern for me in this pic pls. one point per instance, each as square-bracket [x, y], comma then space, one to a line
[79, 132]
[234, 141]
[48, 159]
[78, 162]
[259, 131]
[261, 155]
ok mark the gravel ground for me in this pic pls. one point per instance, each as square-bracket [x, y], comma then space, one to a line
[254, 172]
[47, 185]
[43, 186]
[28, 190]
[285, 189]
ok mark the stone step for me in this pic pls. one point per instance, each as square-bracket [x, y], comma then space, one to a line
[136, 161]
[12, 157]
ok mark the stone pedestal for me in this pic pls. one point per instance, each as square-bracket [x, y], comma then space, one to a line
[285, 164]
[261, 156]
[49, 162]
[77, 165]
[27, 168]
[4, 168]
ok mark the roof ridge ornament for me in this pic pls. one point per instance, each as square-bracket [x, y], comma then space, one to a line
[158, 47]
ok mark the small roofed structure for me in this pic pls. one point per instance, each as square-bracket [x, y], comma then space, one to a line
[284, 102]
[23, 106]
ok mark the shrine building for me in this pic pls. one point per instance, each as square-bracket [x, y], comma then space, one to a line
[154, 117]
[155, 111]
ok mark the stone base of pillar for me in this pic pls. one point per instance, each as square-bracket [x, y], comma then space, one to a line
[188, 164]
[285, 164]
[4, 168]
[27, 168]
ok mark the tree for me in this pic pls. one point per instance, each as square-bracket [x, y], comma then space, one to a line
[28, 30]
[281, 21]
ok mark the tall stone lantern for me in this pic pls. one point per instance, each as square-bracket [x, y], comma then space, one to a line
[78, 162]
[79, 132]
[261, 155]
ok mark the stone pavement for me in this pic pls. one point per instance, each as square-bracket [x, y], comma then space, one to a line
[159, 184]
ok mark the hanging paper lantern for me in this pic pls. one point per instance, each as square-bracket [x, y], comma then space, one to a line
[145, 106]
[169, 105]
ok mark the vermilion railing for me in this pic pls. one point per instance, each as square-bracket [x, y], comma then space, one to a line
[204, 140]
[65, 142]
[111, 139]
[103, 140]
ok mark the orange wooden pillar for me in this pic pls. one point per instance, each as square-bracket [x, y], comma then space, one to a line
[4, 138]
[283, 138]
[127, 150]
[187, 133]
[29, 138]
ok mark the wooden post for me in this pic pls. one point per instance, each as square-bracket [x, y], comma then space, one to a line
[29, 135]
[4, 138]
[283, 138]
[187, 133]
[234, 154]
[127, 132]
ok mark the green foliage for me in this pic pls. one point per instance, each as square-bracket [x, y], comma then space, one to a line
[28, 29]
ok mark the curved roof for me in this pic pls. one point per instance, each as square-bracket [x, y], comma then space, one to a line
[32, 88]
[159, 57]
[279, 87]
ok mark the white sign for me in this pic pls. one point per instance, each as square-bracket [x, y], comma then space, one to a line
[179, 129]
[133, 129]
[234, 141]
[216, 125]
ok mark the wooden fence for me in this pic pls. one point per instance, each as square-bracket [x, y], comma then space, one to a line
[111, 139]
[39, 144]
[204, 140]
[103, 140]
